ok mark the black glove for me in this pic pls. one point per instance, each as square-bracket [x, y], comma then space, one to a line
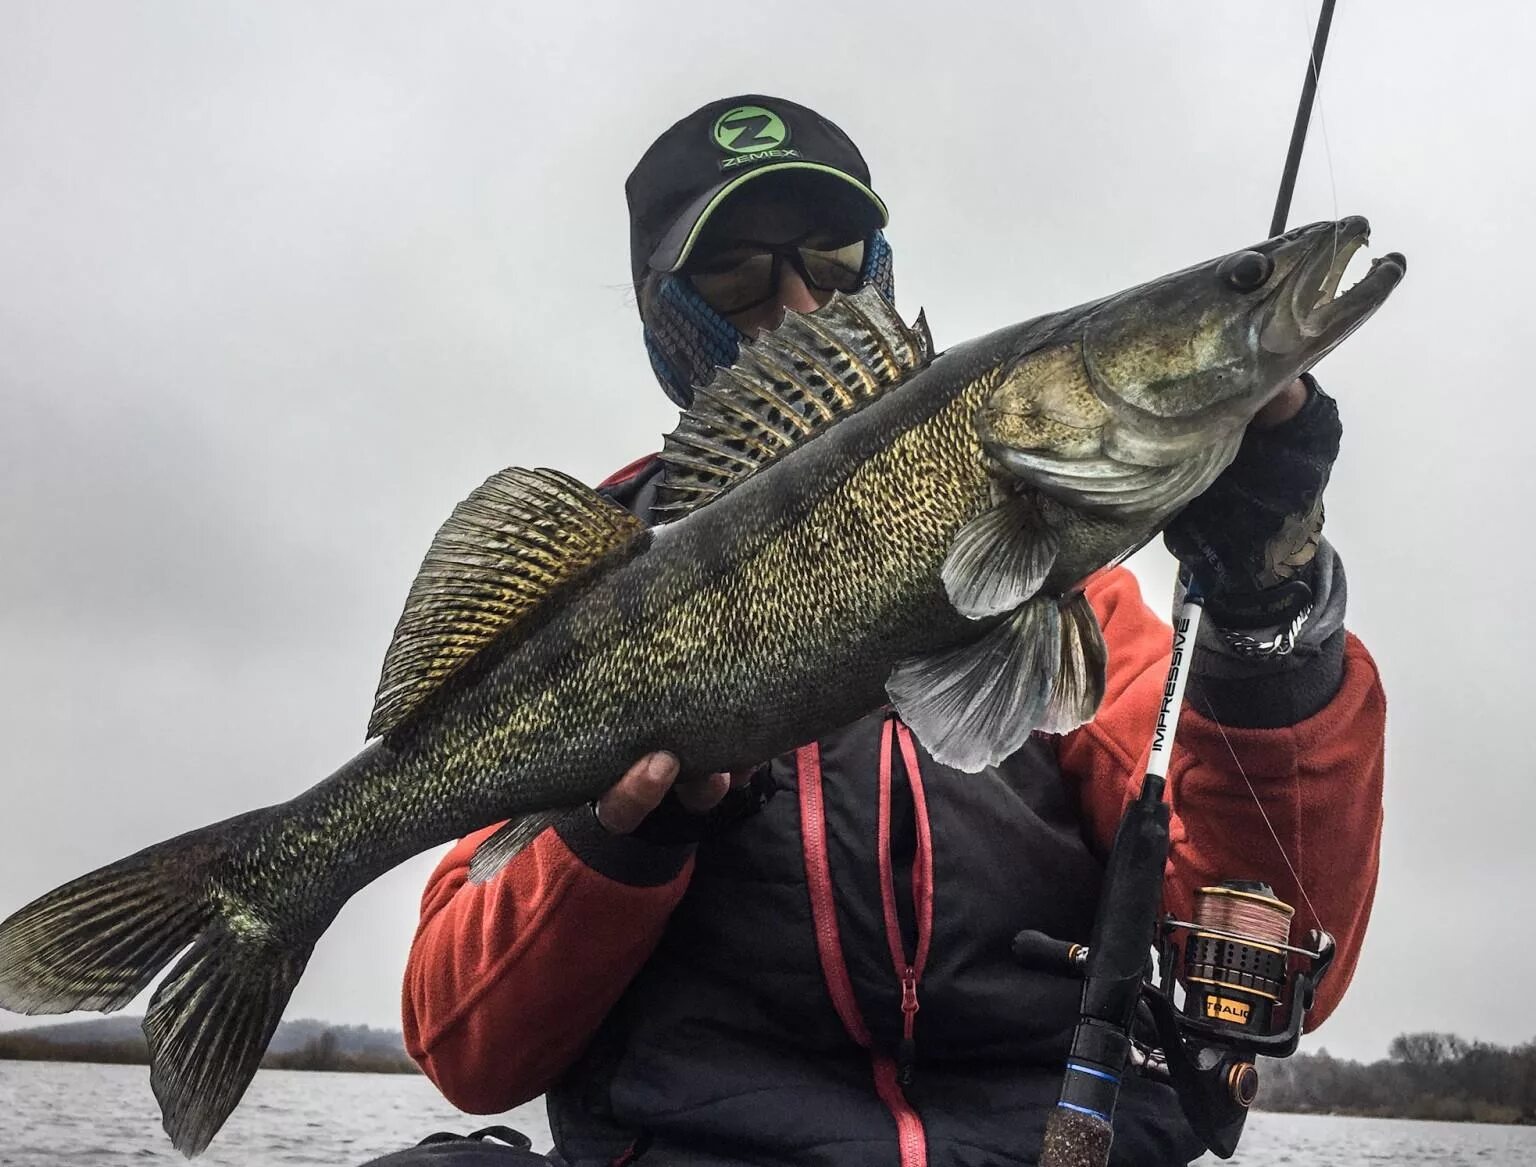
[671, 823]
[1251, 537]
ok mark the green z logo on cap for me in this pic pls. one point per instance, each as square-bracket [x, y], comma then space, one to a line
[749, 129]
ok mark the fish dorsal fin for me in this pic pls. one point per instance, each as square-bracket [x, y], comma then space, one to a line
[506, 548]
[787, 386]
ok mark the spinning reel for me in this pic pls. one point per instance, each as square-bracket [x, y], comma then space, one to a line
[1241, 998]
[1224, 997]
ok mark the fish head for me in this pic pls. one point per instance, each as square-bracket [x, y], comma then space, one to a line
[1170, 372]
[1195, 354]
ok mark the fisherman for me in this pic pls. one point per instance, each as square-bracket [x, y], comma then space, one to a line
[811, 963]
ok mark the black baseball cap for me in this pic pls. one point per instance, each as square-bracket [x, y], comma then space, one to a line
[716, 150]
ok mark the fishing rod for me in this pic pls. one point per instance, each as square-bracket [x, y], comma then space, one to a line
[1234, 968]
[1303, 120]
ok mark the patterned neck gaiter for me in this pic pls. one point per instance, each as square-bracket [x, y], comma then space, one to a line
[687, 339]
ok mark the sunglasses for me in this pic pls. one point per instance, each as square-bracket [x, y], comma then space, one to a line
[745, 273]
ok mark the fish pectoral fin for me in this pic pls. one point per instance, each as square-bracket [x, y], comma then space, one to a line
[784, 389]
[517, 539]
[1042, 668]
[507, 843]
[999, 559]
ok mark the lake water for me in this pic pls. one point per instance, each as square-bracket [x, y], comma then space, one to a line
[54, 1114]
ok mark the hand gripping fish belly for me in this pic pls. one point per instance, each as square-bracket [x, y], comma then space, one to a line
[850, 521]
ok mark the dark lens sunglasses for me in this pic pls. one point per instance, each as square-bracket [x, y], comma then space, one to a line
[747, 274]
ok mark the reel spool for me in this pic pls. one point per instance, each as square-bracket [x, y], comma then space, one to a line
[1234, 968]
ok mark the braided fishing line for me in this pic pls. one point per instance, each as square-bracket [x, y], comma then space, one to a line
[1314, 63]
[1258, 917]
[1310, 89]
[1315, 48]
[1238, 762]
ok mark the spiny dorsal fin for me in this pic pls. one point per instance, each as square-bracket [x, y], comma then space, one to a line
[785, 387]
[509, 545]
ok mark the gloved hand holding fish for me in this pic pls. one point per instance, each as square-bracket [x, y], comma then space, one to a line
[851, 520]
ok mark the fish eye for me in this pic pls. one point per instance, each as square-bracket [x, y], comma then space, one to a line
[1246, 270]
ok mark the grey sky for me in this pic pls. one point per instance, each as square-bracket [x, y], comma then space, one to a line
[280, 283]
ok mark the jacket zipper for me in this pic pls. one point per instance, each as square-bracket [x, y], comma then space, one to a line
[909, 970]
[912, 1141]
[907, 1054]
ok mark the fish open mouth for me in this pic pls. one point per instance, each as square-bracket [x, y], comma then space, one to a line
[1318, 310]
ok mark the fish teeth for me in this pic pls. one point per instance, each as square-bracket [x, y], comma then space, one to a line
[1359, 266]
[1328, 290]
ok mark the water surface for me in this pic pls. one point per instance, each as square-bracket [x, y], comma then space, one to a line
[58, 1113]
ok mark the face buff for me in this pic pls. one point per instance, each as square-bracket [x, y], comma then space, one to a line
[687, 339]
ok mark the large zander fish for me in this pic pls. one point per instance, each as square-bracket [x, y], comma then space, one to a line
[852, 521]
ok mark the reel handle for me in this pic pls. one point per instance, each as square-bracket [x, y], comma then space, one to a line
[1035, 950]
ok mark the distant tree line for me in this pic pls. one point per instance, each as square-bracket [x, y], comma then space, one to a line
[324, 1051]
[29, 1047]
[1425, 1075]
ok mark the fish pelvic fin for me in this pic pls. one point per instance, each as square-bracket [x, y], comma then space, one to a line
[1040, 668]
[519, 538]
[786, 387]
[1078, 689]
[97, 942]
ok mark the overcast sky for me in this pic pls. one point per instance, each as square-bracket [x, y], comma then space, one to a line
[281, 282]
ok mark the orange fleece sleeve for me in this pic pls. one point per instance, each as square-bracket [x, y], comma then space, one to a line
[508, 980]
[1319, 782]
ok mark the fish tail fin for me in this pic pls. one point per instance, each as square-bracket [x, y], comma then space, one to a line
[97, 942]
[209, 1023]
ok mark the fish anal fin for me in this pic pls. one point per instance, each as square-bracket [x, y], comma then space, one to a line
[506, 843]
[787, 386]
[516, 540]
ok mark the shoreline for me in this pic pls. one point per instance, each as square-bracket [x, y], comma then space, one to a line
[309, 1059]
[1349, 1112]
[304, 1058]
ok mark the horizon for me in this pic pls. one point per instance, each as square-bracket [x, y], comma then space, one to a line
[1321, 1047]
